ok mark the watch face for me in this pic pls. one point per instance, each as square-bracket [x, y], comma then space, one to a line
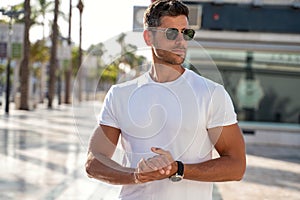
[176, 178]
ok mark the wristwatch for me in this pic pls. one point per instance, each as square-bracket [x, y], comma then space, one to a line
[178, 176]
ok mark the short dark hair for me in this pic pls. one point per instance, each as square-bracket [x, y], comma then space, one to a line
[161, 8]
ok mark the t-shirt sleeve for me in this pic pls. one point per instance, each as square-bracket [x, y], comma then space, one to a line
[221, 111]
[107, 114]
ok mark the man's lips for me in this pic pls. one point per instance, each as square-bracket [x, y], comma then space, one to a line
[179, 51]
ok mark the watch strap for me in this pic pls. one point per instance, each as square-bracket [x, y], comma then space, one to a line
[180, 168]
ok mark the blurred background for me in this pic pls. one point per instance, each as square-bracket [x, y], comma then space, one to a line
[59, 58]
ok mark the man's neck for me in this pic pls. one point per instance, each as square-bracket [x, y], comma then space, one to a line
[165, 73]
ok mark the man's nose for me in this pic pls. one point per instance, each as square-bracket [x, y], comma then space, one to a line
[180, 37]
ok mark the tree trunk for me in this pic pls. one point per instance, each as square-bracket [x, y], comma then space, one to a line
[24, 87]
[68, 73]
[68, 84]
[80, 60]
[53, 57]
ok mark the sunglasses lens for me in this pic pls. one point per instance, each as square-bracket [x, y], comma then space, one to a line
[171, 33]
[188, 34]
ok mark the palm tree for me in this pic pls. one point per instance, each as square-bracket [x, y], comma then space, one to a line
[43, 8]
[80, 8]
[121, 41]
[24, 86]
[53, 57]
[128, 55]
[39, 53]
[97, 50]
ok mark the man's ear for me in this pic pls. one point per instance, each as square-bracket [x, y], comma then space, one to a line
[148, 37]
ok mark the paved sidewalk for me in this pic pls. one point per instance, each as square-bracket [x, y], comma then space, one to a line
[273, 173]
[42, 156]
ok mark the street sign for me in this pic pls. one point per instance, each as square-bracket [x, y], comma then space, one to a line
[3, 32]
[16, 40]
[17, 33]
[3, 49]
[16, 50]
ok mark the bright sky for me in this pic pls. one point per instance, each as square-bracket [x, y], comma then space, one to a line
[102, 20]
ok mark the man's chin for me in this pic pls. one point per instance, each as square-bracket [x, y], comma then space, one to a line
[177, 61]
[180, 58]
[172, 57]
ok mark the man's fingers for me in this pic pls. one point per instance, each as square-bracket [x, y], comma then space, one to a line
[152, 164]
[161, 163]
[159, 151]
[163, 152]
[143, 166]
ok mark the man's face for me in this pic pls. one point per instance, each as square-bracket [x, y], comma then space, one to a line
[170, 51]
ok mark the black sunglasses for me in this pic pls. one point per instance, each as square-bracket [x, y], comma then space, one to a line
[172, 33]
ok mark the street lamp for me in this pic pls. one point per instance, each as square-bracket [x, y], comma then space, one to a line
[11, 14]
[80, 8]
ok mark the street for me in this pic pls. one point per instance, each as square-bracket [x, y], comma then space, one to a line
[43, 153]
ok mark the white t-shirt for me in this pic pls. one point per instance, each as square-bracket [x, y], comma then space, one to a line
[174, 116]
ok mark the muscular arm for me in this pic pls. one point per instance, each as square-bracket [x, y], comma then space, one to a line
[229, 166]
[99, 164]
[232, 161]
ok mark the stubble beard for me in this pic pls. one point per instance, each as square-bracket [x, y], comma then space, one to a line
[168, 57]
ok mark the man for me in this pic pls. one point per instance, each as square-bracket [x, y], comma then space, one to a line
[168, 121]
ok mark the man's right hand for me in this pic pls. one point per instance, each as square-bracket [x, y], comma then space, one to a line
[157, 167]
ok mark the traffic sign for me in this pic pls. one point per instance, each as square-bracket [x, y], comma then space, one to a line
[17, 33]
[16, 50]
[3, 49]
